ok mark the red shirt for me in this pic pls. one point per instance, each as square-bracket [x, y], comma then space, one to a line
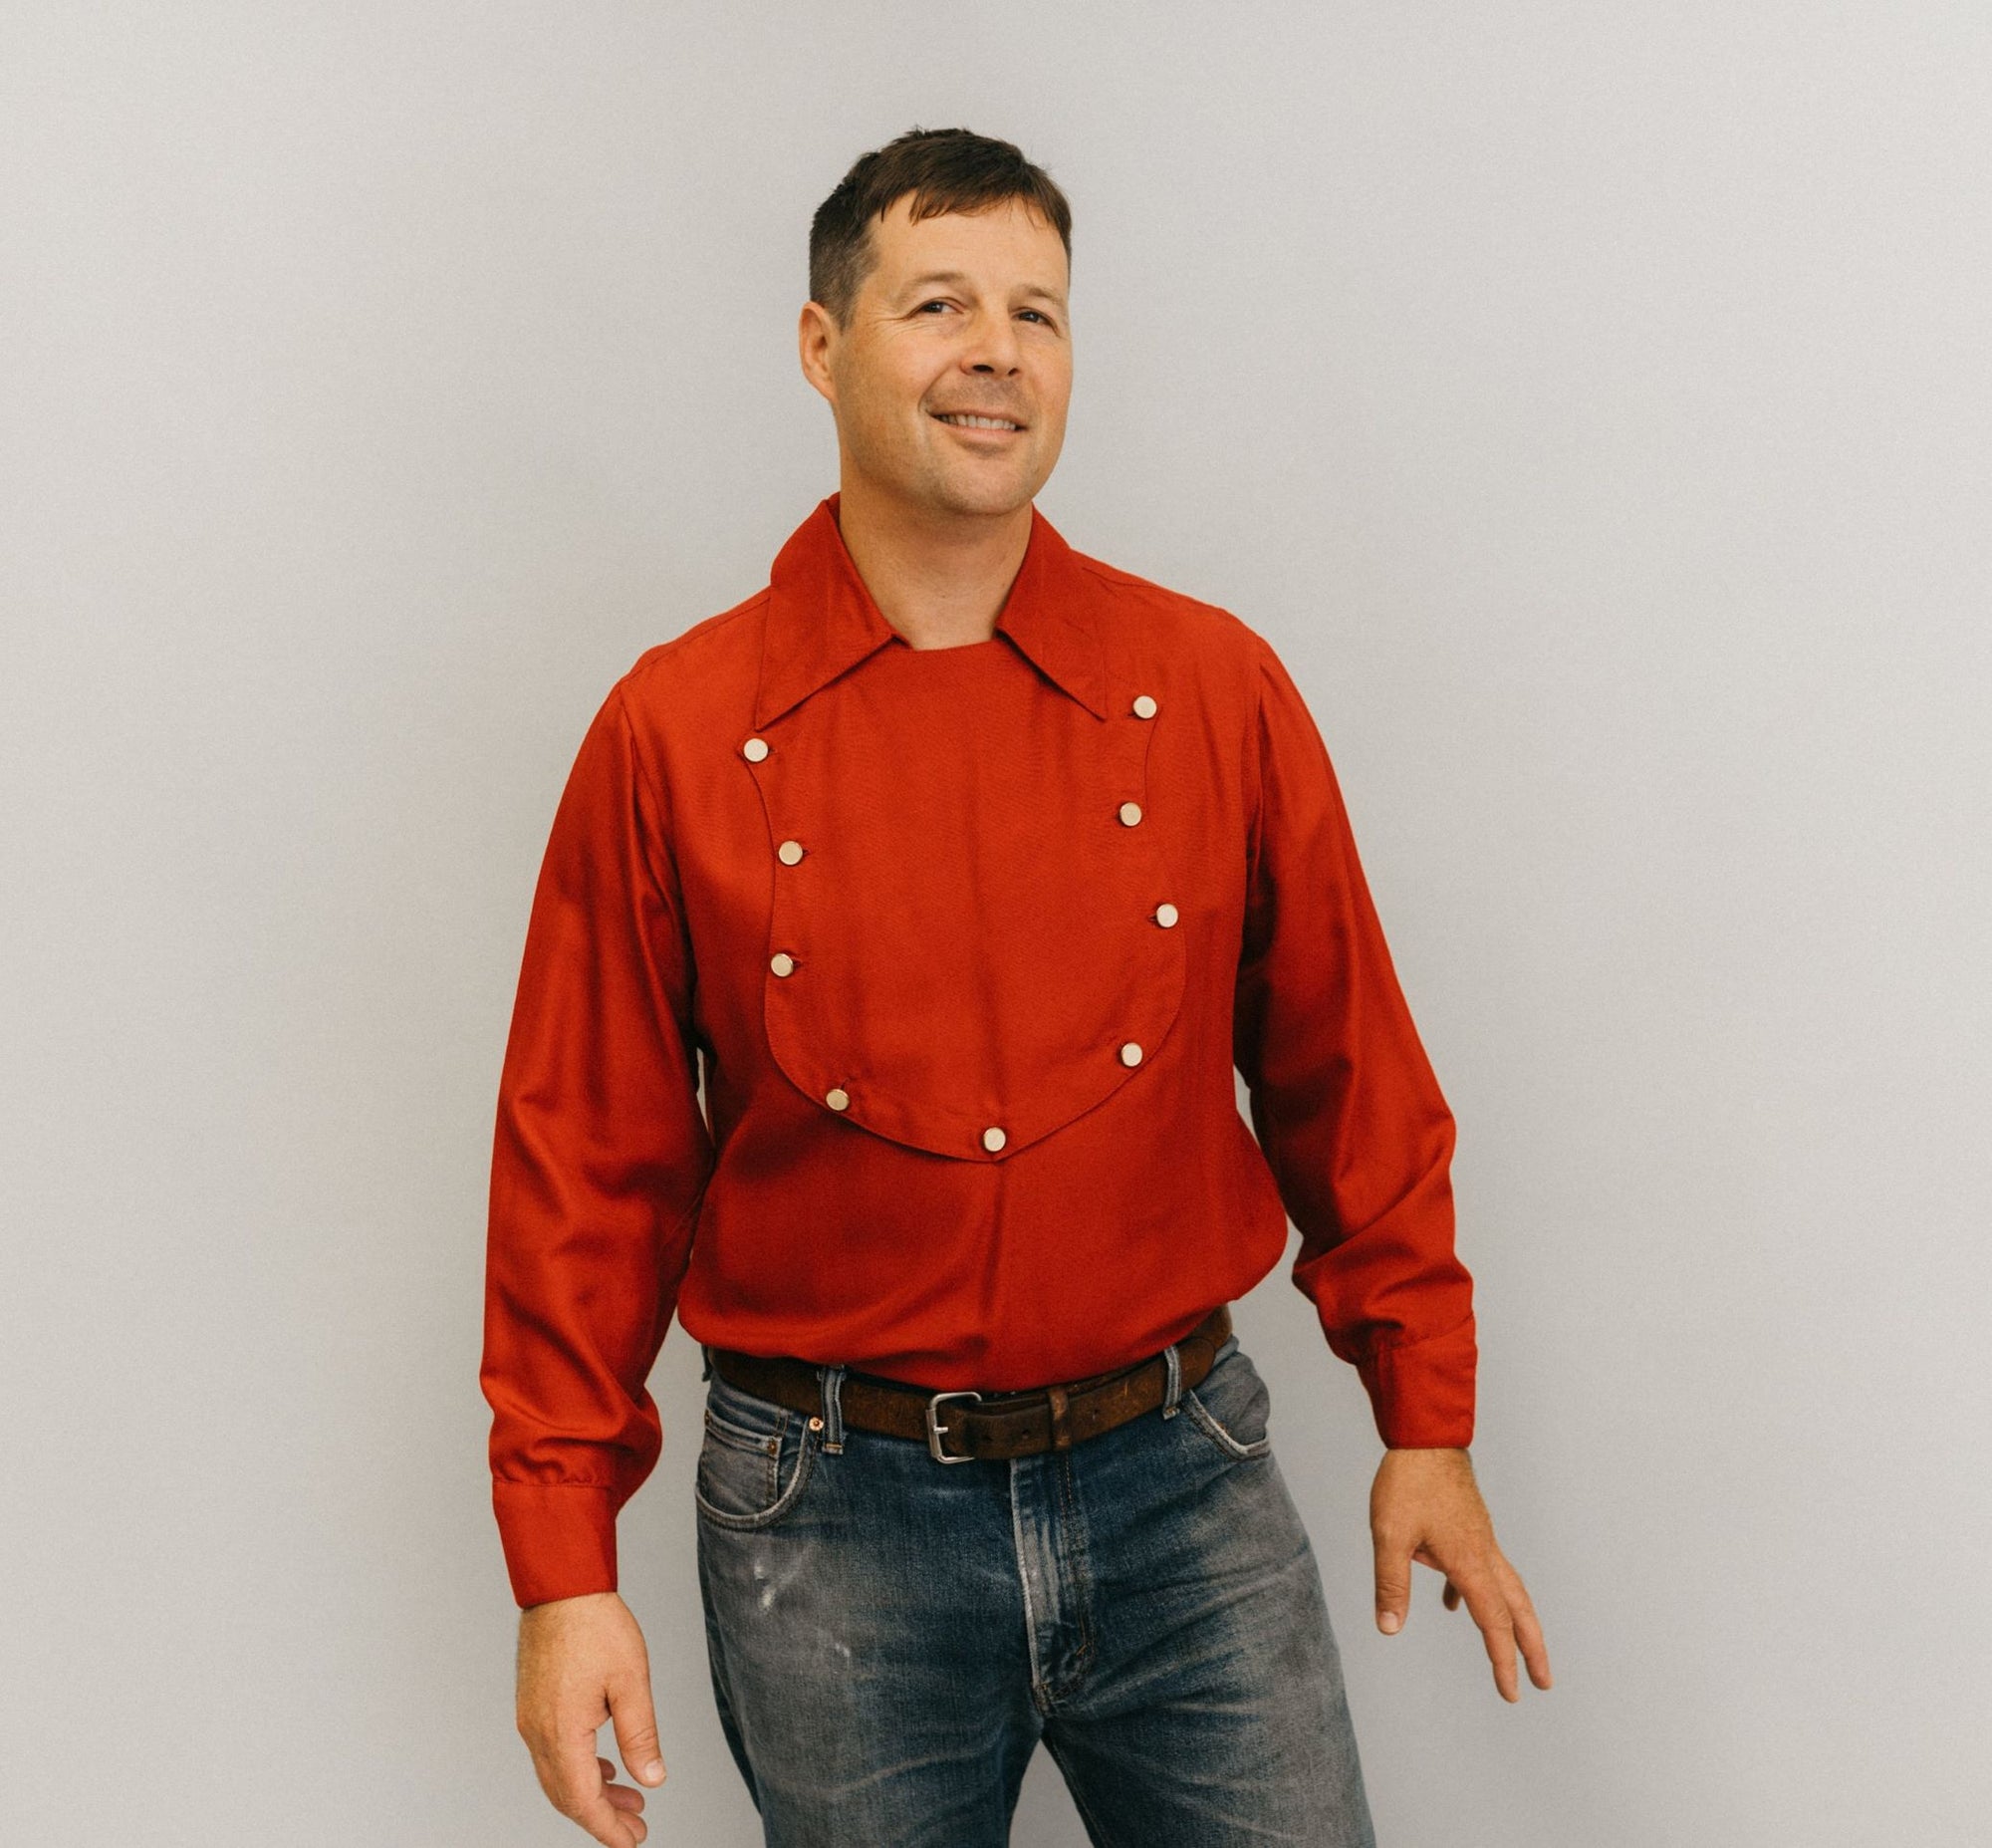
[967, 941]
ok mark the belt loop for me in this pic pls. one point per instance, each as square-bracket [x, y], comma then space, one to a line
[1172, 1363]
[833, 1407]
[1061, 1429]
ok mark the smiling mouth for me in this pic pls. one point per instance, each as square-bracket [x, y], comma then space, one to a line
[963, 420]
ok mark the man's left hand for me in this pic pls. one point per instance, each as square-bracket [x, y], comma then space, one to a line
[1425, 1506]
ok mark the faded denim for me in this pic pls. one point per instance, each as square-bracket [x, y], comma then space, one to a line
[889, 1637]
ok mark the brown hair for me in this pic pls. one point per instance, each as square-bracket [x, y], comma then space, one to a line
[946, 171]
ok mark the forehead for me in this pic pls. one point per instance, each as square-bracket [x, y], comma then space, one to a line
[1007, 247]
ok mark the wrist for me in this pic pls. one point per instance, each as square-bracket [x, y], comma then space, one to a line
[558, 1610]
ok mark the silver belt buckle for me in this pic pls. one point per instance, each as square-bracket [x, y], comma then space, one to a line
[934, 1428]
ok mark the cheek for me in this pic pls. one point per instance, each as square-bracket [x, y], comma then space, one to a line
[888, 401]
[890, 423]
[1054, 398]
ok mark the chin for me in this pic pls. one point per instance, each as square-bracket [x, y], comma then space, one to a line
[986, 497]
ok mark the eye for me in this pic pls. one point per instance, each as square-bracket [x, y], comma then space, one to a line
[937, 302]
[1039, 313]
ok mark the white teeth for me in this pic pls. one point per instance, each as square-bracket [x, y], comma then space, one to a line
[979, 424]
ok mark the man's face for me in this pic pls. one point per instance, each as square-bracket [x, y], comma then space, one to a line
[964, 314]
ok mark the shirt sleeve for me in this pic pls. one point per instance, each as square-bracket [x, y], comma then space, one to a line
[1346, 1110]
[599, 1159]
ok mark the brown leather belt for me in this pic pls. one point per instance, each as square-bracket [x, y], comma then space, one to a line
[958, 1426]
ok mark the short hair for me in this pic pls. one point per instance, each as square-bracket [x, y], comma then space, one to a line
[946, 171]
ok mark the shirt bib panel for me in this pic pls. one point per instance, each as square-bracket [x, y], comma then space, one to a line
[970, 932]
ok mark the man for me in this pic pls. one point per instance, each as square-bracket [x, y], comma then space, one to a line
[967, 866]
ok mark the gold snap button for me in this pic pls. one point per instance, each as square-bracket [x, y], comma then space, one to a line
[1131, 1054]
[789, 853]
[993, 1139]
[1144, 707]
[782, 962]
[754, 750]
[1130, 813]
[838, 1098]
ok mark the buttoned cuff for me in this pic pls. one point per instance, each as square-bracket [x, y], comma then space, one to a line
[1421, 1392]
[559, 1538]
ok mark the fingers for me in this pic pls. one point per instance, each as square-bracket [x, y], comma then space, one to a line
[630, 1802]
[1394, 1581]
[636, 1729]
[1489, 1609]
[624, 1801]
[1500, 1605]
[575, 1786]
[1528, 1628]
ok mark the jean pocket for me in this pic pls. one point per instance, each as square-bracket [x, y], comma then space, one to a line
[1231, 1405]
[754, 1460]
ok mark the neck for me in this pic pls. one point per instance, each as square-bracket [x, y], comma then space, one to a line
[939, 580]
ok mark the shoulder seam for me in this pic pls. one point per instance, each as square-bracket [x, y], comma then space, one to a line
[1131, 580]
[667, 891]
[659, 651]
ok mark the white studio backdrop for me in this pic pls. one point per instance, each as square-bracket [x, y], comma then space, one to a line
[1590, 404]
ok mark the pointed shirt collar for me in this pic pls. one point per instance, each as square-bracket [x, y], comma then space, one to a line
[822, 620]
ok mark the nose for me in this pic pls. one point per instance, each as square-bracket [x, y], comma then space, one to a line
[991, 346]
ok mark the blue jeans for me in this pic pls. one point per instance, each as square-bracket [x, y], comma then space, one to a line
[889, 1636]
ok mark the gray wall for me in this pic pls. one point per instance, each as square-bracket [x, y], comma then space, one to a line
[1590, 404]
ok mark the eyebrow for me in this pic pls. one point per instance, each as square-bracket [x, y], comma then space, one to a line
[957, 276]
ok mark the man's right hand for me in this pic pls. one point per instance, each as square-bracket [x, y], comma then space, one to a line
[582, 1661]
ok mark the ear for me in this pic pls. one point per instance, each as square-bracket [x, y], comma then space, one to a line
[815, 340]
